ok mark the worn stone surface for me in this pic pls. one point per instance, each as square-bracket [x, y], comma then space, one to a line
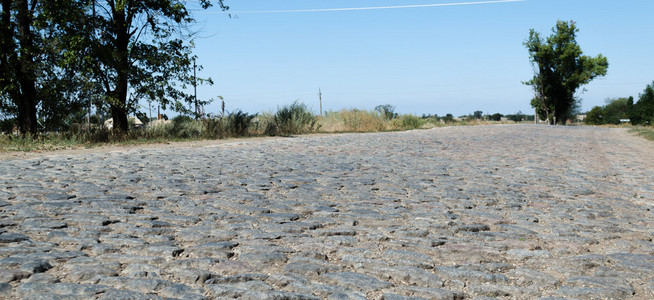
[509, 212]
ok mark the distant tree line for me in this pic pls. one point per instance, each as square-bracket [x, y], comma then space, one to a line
[479, 115]
[615, 110]
[60, 58]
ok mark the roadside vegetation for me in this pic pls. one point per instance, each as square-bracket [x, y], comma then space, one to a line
[645, 132]
[624, 110]
[292, 119]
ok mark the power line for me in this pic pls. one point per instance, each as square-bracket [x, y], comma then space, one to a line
[358, 8]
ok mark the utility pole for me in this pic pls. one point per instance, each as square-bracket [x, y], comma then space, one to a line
[195, 90]
[320, 99]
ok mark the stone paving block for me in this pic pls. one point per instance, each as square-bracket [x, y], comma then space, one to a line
[355, 281]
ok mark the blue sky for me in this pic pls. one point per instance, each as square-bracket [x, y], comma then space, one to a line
[440, 59]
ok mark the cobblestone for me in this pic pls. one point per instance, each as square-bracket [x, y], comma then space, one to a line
[480, 212]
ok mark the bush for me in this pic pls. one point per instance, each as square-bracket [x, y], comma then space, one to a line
[184, 127]
[214, 128]
[387, 110]
[238, 123]
[353, 120]
[407, 122]
[293, 119]
[594, 116]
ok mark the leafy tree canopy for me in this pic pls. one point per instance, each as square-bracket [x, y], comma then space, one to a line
[560, 69]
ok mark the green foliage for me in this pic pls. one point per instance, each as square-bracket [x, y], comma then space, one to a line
[645, 132]
[407, 122]
[595, 116]
[449, 118]
[615, 110]
[611, 113]
[185, 127]
[387, 110]
[478, 114]
[517, 117]
[561, 68]
[293, 119]
[643, 111]
[496, 117]
[237, 123]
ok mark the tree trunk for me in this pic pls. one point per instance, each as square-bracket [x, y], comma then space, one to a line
[26, 71]
[119, 107]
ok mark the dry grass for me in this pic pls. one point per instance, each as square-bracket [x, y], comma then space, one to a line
[353, 120]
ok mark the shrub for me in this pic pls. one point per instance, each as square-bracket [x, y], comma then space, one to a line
[353, 120]
[387, 110]
[238, 122]
[407, 122]
[184, 127]
[293, 119]
[214, 128]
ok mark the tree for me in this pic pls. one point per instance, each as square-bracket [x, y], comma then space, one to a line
[386, 110]
[560, 69]
[595, 116]
[615, 110]
[18, 67]
[496, 117]
[517, 117]
[478, 114]
[139, 49]
[37, 83]
[643, 110]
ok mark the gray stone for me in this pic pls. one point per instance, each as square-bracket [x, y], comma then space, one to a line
[237, 279]
[86, 273]
[410, 258]
[355, 281]
[127, 295]
[619, 284]
[590, 293]
[470, 275]
[190, 275]
[309, 268]
[8, 237]
[5, 290]
[42, 278]
[277, 295]
[471, 228]
[224, 291]
[263, 258]
[346, 296]
[7, 275]
[142, 285]
[406, 275]
[181, 291]
[28, 290]
[400, 297]
[431, 293]
[213, 249]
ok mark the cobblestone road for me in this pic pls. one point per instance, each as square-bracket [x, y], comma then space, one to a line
[515, 211]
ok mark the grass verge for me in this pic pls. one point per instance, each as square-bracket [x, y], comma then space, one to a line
[645, 132]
